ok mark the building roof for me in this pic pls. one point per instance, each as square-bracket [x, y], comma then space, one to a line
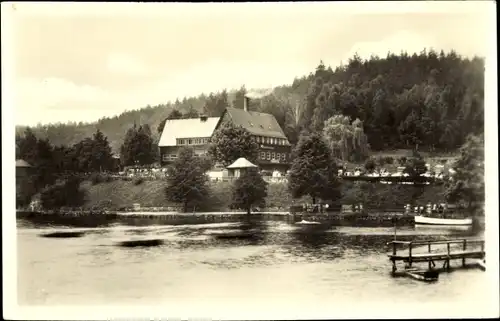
[22, 163]
[256, 123]
[241, 163]
[187, 128]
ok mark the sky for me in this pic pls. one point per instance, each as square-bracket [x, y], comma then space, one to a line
[83, 62]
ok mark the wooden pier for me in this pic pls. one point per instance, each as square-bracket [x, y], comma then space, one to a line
[412, 252]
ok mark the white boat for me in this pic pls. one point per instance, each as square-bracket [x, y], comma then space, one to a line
[307, 222]
[430, 228]
[419, 219]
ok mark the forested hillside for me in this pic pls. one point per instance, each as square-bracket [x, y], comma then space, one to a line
[429, 100]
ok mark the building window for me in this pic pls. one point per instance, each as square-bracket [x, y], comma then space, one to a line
[268, 155]
[273, 155]
[283, 156]
[173, 156]
[262, 155]
[164, 157]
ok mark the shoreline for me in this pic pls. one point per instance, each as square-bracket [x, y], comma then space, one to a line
[384, 218]
[363, 219]
[20, 213]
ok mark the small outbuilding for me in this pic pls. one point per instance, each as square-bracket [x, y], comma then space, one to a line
[240, 165]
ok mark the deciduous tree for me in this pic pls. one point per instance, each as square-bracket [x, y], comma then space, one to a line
[467, 185]
[249, 189]
[187, 179]
[230, 142]
[313, 171]
[138, 148]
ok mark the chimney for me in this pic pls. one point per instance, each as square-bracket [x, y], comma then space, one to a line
[245, 103]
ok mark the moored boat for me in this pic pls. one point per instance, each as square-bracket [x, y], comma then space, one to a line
[425, 220]
[304, 222]
[422, 275]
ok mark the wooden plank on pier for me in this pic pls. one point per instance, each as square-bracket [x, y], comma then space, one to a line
[409, 256]
[424, 257]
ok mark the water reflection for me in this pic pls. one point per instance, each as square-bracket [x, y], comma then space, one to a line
[280, 259]
[50, 221]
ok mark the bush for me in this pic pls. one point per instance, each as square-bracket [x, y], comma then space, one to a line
[67, 194]
[389, 160]
[95, 178]
[381, 161]
[139, 181]
[402, 160]
[370, 165]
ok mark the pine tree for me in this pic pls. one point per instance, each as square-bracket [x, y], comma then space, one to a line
[313, 171]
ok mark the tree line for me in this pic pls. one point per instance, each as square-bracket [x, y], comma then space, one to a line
[313, 170]
[427, 101]
[57, 169]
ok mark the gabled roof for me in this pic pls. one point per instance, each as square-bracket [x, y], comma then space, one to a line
[241, 163]
[22, 163]
[260, 124]
[187, 128]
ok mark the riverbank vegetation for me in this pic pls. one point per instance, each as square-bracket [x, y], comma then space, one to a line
[119, 194]
[114, 194]
[429, 102]
[430, 99]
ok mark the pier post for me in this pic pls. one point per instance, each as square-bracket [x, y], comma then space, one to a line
[409, 254]
[448, 260]
[464, 249]
[429, 251]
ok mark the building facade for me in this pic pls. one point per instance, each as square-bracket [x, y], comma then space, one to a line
[274, 147]
[192, 132]
[23, 170]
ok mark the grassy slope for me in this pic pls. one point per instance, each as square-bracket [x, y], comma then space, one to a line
[120, 193]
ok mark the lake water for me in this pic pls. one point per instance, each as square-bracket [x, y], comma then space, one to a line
[287, 266]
